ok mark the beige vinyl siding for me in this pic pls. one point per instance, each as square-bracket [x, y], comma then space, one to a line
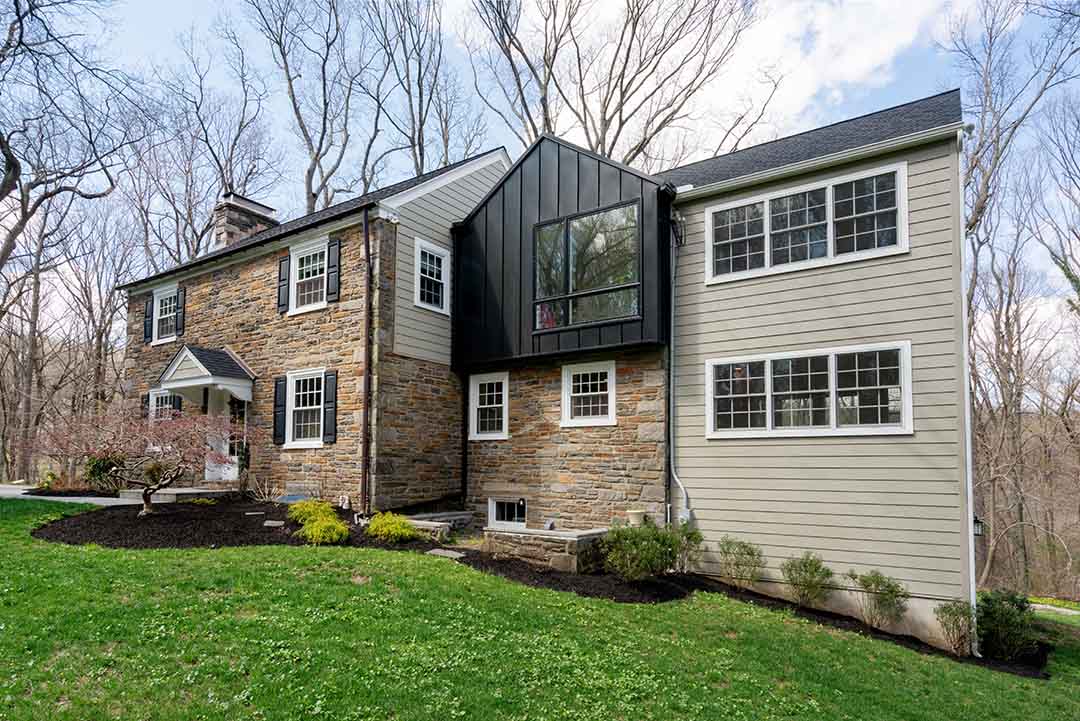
[187, 369]
[420, 332]
[895, 503]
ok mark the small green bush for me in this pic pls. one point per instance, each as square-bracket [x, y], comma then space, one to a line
[99, 470]
[323, 530]
[637, 553]
[955, 618]
[808, 577]
[303, 512]
[392, 528]
[741, 562]
[201, 501]
[882, 600]
[1058, 602]
[690, 540]
[1005, 623]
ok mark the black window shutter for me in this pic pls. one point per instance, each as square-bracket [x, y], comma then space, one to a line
[180, 311]
[329, 410]
[206, 400]
[177, 402]
[148, 321]
[333, 270]
[145, 405]
[280, 391]
[283, 286]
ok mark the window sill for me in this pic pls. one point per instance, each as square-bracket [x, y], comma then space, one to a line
[810, 433]
[806, 265]
[433, 309]
[586, 423]
[489, 436]
[306, 309]
[301, 445]
[506, 526]
[163, 341]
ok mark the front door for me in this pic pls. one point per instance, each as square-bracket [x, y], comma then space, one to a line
[219, 403]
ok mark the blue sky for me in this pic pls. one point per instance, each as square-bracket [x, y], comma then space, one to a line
[840, 59]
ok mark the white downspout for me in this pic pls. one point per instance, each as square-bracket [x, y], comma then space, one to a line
[676, 241]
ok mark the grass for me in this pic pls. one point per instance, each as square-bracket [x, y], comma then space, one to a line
[341, 633]
[1067, 620]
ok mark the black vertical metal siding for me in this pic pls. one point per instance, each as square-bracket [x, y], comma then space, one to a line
[494, 259]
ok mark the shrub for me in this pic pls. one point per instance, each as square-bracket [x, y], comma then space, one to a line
[637, 553]
[955, 618]
[101, 470]
[322, 530]
[392, 528]
[303, 512]
[882, 600]
[1005, 623]
[808, 577]
[741, 562]
[690, 540]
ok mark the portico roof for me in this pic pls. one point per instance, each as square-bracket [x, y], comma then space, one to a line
[193, 367]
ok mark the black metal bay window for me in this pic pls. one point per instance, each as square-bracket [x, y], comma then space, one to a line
[588, 268]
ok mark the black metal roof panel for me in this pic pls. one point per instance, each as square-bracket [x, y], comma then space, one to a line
[896, 122]
[219, 362]
[312, 219]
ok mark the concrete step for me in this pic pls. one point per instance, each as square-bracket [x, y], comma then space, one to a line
[456, 519]
[173, 495]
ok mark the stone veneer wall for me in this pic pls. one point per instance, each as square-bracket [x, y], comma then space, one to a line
[578, 477]
[417, 409]
[577, 553]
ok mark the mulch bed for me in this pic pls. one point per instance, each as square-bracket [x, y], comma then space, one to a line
[71, 493]
[224, 524]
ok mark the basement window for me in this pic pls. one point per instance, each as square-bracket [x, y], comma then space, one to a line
[503, 512]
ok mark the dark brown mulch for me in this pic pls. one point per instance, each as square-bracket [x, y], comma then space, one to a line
[192, 525]
[71, 492]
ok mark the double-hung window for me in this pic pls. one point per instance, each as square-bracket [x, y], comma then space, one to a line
[304, 411]
[587, 268]
[431, 279]
[588, 394]
[162, 405]
[835, 220]
[857, 390]
[489, 406]
[166, 307]
[308, 264]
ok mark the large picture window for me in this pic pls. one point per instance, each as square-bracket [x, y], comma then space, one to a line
[587, 268]
[861, 390]
[836, 220]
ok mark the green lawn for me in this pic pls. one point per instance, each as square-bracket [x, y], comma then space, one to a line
[290, 633]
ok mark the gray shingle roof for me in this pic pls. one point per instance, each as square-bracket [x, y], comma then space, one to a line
[312, 219]
[913, 117]
[217, 362]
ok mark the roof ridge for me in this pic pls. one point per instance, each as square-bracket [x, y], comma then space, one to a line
[811, 130]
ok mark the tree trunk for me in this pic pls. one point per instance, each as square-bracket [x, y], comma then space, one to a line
[147, 506]
[24, 467]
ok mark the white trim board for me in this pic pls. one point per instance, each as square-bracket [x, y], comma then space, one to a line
[419, 244]
[568, 371]
[474, 399]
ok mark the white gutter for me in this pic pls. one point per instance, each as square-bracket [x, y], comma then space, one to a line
[825, 161]
[684, 514]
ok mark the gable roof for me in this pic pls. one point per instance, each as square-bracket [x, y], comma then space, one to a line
[902, 120]
[334, 212]
[216, 363]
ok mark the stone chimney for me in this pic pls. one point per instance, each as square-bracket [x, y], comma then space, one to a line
[237, 218]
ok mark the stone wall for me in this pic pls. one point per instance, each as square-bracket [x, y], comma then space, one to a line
[578, 477]
[563, 551]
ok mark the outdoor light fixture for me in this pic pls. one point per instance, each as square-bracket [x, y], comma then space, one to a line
[978, 526]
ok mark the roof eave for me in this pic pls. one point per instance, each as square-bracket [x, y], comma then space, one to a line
[902, 142]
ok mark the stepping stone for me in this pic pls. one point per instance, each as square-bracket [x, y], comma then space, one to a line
[255, 513]
[273, 524]
[445, 553]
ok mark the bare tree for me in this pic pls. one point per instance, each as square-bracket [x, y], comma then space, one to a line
[324, 62]
[1059, 204]
[627, 84]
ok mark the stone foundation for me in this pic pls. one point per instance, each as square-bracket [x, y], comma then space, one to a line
[569, 551]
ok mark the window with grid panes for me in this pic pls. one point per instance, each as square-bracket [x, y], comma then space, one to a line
[489, 407]
[166, 316]
[739, 239]
[307, 408]
[868, 388]
[310, 278]
[800, 392]
[798, 229]
[589, 394]
[864, 213]
[739, 395]
[432, 289]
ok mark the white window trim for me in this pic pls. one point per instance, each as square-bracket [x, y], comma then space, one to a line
[154, 395]
[159, 293]
[474, 401]
[290, 380]
[510, 525]
[906, 427]
[419, 244]
[902, 242]
[295, 252]
[567, 375]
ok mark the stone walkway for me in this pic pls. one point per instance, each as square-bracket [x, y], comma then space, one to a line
[1055, 609]
[11, 491]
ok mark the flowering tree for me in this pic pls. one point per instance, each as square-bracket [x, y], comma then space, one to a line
[148, 453]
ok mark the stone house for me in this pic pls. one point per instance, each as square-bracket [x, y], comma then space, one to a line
[767, 344]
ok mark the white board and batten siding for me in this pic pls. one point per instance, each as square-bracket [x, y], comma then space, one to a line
[894, 502]
[420, 332]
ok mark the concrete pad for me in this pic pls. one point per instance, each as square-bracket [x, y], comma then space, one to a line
[172, 495]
